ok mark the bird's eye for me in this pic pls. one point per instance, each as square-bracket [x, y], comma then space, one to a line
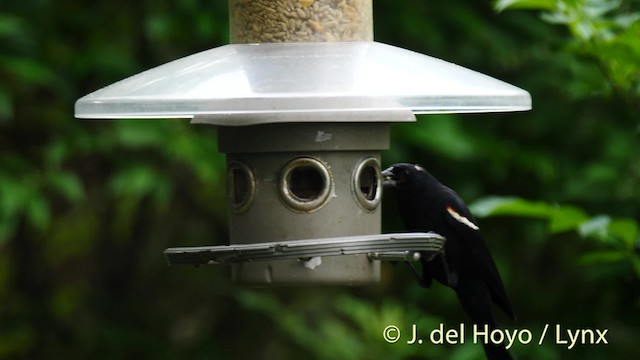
[400, 176]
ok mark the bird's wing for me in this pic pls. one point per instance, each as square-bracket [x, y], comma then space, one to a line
[468, 232]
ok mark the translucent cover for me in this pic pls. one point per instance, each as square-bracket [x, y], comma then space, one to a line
[301, 78]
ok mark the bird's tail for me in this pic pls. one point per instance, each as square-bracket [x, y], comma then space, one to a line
[496, 352]
[476, 302]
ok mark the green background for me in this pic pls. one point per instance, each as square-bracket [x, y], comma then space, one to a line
[87, 207]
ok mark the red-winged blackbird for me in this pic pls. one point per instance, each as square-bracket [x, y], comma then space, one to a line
[466, 264]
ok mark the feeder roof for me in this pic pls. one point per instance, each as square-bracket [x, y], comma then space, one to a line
[244, 84]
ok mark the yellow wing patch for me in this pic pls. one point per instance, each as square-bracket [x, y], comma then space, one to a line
[461, 219]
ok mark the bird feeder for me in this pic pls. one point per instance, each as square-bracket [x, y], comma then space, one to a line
[303, 100]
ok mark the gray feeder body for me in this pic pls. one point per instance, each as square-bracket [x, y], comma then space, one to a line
[299, 181]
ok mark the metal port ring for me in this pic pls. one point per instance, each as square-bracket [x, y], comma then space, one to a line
[305, 184]
[367, 199]
[240, 190]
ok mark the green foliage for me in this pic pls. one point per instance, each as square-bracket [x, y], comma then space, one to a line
[602, 31]
[340, 326]
[501, 5]
[561, 218]
[609, 36]
[617, 238]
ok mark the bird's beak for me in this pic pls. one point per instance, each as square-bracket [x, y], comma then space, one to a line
[388, 178]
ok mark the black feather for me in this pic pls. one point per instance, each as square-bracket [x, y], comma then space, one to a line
[466, 265]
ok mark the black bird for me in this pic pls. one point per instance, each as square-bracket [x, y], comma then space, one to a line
[466, 264]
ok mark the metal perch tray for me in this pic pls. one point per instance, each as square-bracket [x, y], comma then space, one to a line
[392, 247]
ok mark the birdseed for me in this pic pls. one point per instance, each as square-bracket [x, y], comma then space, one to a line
[255, 21]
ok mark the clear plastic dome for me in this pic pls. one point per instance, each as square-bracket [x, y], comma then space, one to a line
[301, 78]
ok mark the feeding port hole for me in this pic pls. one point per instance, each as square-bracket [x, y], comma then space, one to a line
[241, 186]
[367, 184]
[305, 184]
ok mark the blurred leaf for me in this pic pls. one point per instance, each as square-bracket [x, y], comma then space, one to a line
[199, 150]
[10, 26]
[626, 230]
[56, 152]
[603, 257]
[140, 133]
[443, 134]
[496, 205]
[596, 227]
[16, 199]
[344, 343]
[360, 312]
[627, 20]
[597, 8]
[28, 71]
[37, 211]
[606, 229]
[501, 5]
[586, 19]
[561, 218]
[159, 26]
[285, 319]
[67, 184]
[621, 56]
[13, 196]
[467, 352]
[139, 181]
[253, 300]
[565, 218]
